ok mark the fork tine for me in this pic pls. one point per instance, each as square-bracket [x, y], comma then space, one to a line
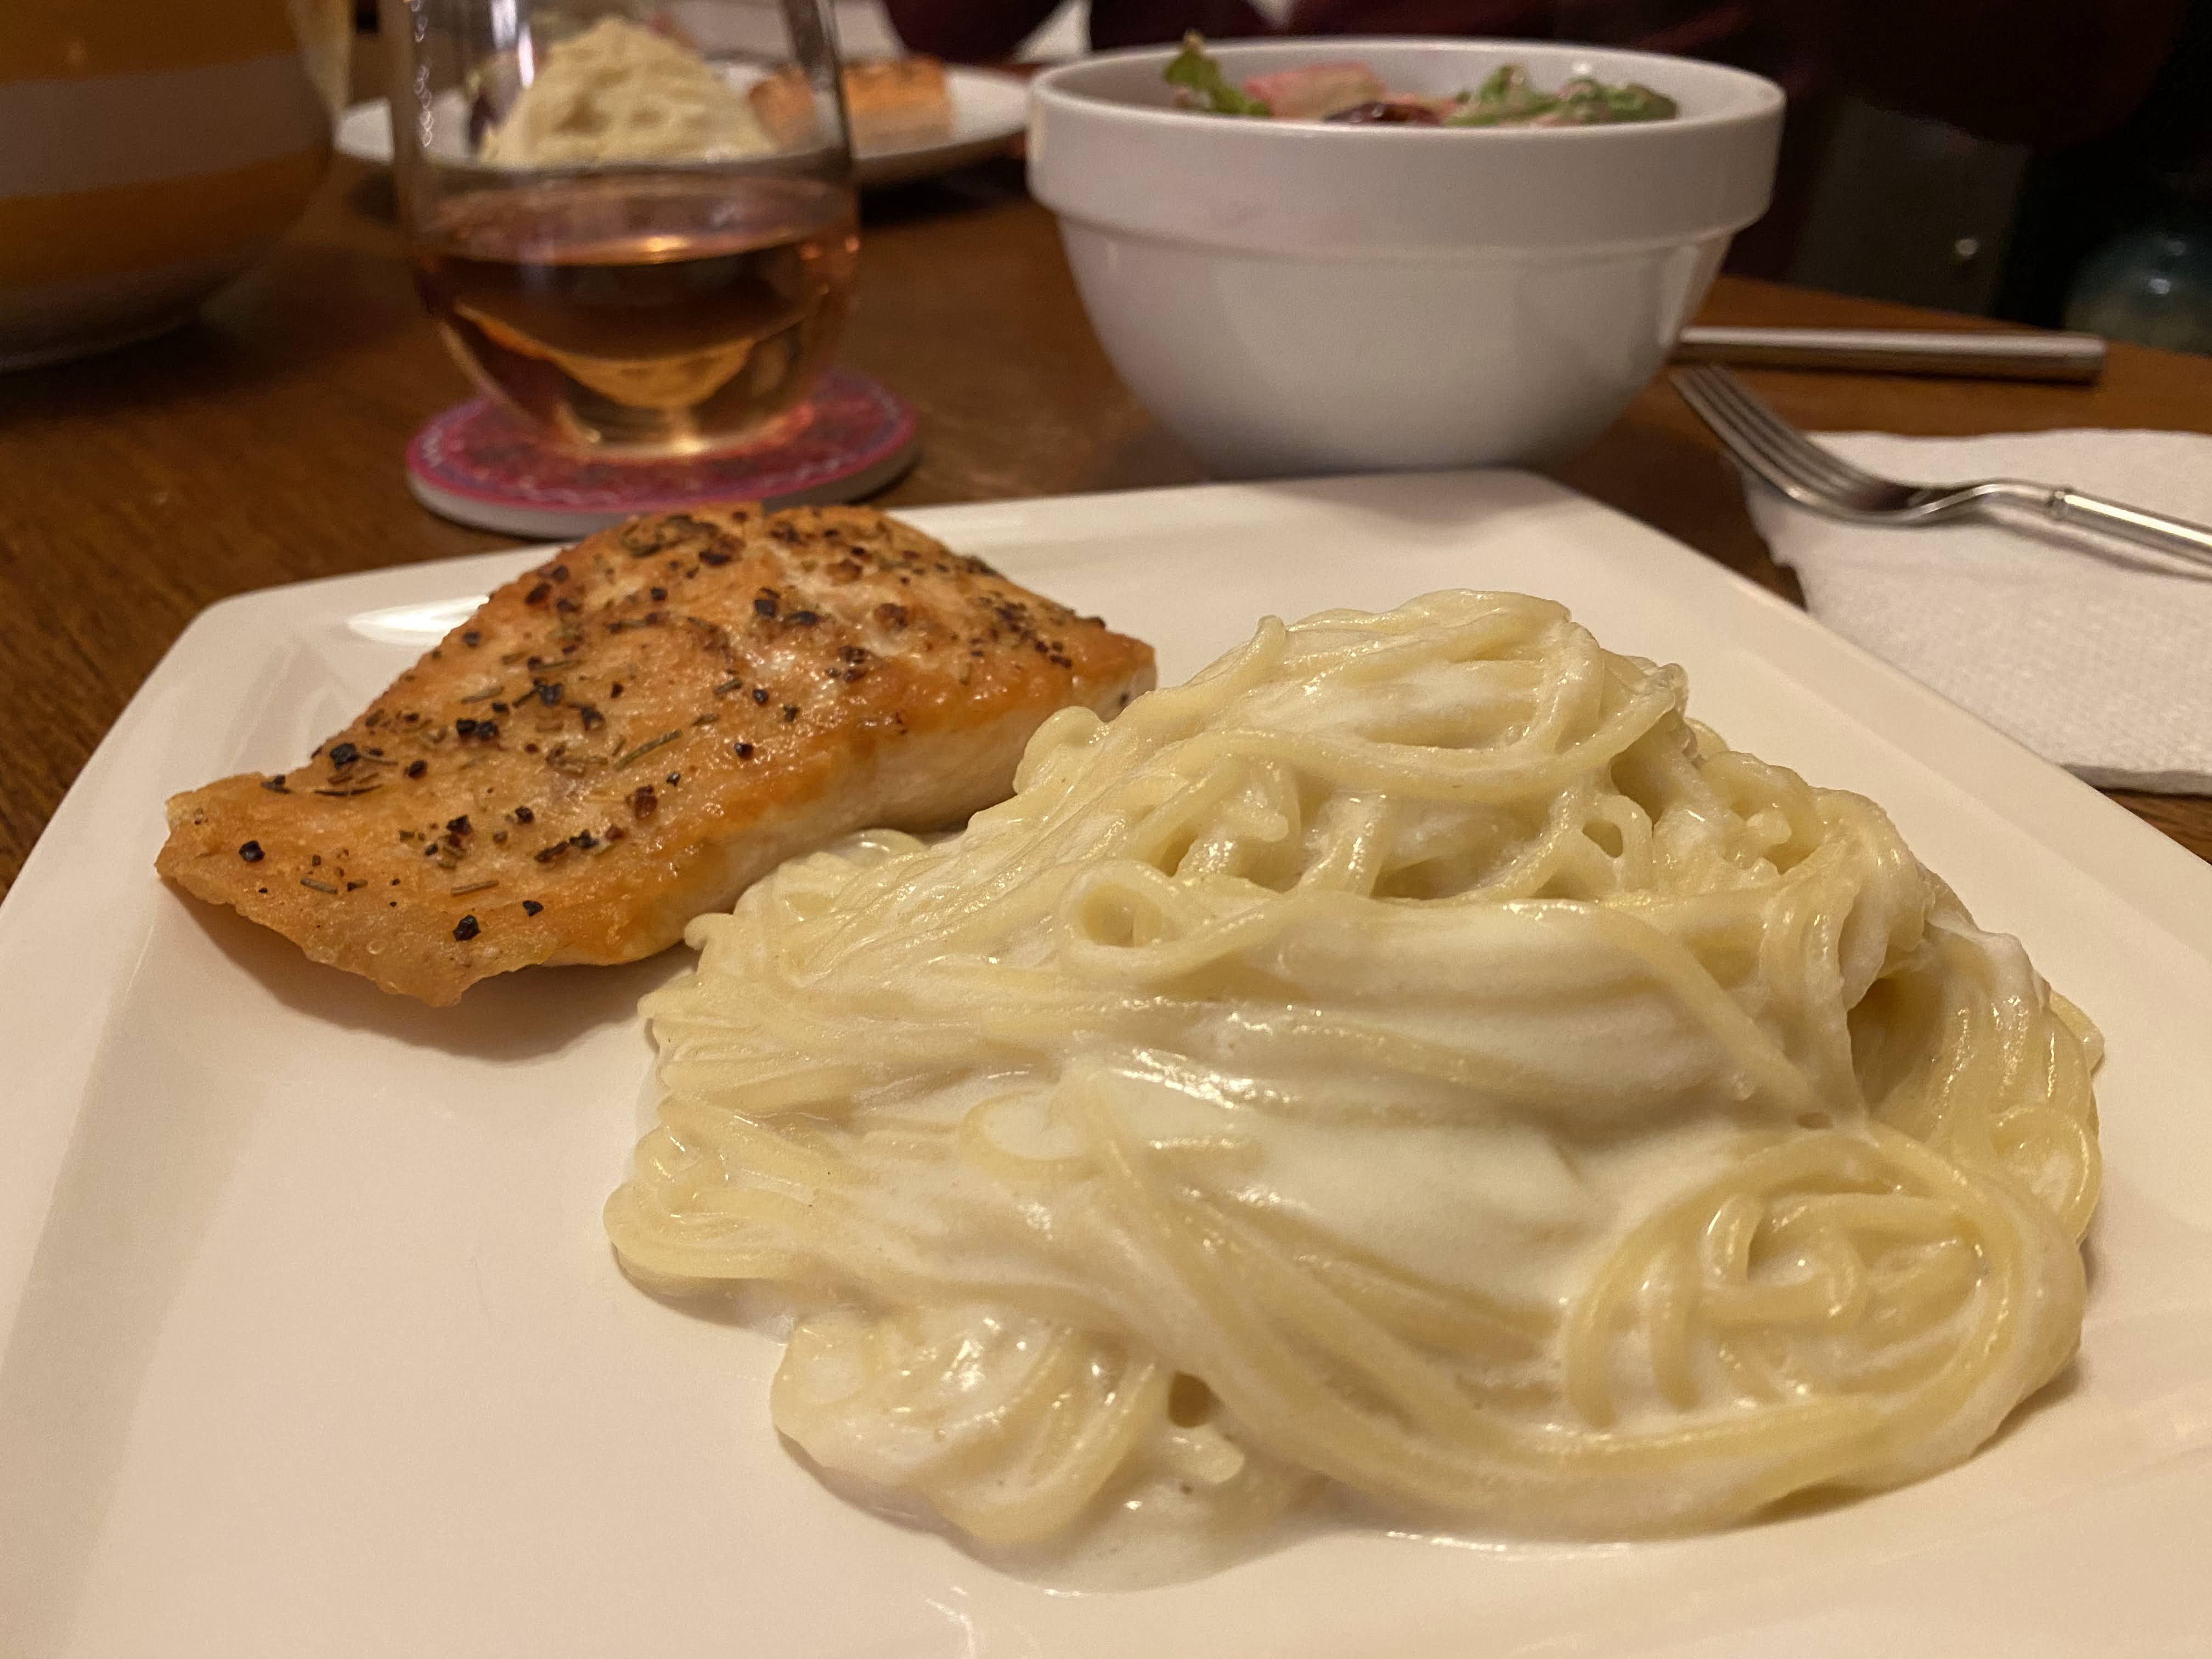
[1807, 458]
[1750, 446]
[1817, 464]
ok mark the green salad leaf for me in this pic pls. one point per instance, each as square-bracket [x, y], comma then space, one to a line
[1633, 101]
[1506, 98]
[1198, 74]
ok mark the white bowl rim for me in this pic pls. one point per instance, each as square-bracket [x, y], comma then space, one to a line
[1759, 97]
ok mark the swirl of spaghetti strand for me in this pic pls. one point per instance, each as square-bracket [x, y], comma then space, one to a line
[1411, 1055]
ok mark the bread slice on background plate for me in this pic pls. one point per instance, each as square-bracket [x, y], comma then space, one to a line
[892, 103]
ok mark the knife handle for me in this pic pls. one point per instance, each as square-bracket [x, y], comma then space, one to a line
[2006, 355]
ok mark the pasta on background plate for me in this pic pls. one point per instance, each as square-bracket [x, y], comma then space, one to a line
[1412, 1061]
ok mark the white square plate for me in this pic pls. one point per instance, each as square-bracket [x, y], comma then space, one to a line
[313, 1343]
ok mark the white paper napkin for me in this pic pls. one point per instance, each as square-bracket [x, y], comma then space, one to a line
[2091, 654]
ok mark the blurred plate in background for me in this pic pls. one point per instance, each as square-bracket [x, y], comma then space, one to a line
[989, 110]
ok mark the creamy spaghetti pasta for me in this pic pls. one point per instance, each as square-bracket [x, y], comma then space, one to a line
[1411, 1059]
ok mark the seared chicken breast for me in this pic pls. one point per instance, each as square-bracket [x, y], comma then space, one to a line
[630, 734]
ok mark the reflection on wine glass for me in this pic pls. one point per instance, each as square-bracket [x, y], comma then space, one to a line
[634, 225]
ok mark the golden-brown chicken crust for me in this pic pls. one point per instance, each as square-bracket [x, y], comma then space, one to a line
[630, 734]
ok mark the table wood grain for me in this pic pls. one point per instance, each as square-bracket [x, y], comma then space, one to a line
[262, 443]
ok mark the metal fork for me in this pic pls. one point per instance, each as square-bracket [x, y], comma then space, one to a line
[1814, 478]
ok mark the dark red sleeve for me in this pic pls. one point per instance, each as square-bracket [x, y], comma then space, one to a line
[1153, 23]
[967, 31]
[2021, 72]
[1510, 19]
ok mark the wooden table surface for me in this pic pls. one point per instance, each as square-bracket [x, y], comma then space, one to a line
[263, 444]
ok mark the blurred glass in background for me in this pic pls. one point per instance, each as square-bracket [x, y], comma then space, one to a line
[2152, 285]
[634, 225]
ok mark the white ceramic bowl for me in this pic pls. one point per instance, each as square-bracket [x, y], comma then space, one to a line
[1295, 297]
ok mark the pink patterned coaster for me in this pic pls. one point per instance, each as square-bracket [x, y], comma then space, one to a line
[483, 465]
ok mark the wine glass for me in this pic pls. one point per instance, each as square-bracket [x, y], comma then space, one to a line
[633, 222]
